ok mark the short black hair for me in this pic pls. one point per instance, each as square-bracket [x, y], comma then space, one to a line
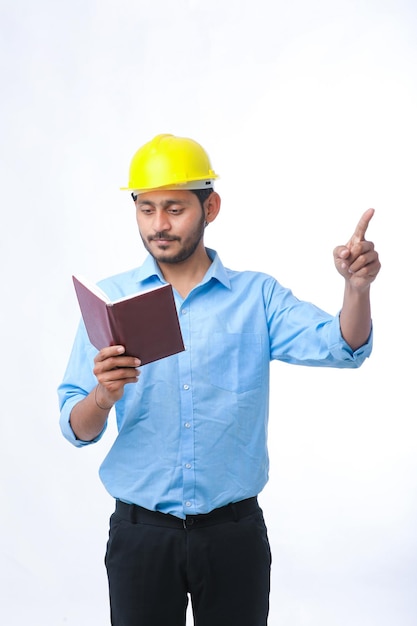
[202, 194]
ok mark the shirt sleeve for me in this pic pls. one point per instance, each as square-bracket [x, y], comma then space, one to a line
[303, 334]
[77, 383]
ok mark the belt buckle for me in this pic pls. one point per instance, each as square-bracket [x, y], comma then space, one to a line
[187, 522]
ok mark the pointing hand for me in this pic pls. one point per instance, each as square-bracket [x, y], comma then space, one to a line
[358, 261]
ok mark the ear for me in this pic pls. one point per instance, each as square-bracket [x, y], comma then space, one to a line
[212, 207]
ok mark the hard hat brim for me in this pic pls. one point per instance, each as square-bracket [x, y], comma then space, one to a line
[189, 185]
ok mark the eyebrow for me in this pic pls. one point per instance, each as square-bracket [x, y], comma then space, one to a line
[164, 204]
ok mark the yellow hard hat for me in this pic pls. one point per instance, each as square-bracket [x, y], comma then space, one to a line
[170, 162]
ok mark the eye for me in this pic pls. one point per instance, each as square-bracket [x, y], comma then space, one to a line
[146, 210]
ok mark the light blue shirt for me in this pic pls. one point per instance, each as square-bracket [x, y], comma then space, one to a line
[192, 432]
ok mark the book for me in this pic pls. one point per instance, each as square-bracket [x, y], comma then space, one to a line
[145, 323]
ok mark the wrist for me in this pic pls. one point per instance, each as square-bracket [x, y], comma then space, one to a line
[98, 404]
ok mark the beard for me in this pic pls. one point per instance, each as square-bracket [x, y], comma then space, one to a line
[187, 248]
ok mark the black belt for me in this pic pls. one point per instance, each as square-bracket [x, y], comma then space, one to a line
[229, 513]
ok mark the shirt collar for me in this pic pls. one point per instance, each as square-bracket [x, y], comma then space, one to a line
[150, 269]
[216, 270]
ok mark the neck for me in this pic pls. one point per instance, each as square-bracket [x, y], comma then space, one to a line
[185, 275]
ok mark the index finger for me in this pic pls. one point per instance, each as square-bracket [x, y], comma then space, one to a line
[360, 230]
[109, 351]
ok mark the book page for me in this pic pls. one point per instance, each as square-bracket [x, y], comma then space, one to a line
[93, 288]
[138, 293]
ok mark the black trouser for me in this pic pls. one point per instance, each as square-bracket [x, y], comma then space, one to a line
[221, 559]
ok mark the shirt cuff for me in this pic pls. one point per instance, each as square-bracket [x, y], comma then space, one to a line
[342, 351]
[66, 426]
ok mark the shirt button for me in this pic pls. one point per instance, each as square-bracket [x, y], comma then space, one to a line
[188, 503]
[188, 465]
[186, 387]
[187, 425]
[184, 311]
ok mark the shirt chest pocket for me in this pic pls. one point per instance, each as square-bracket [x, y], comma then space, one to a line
[236, 362]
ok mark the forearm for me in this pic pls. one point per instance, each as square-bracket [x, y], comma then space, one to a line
[113, 370]
[89, 416]
[355, 316]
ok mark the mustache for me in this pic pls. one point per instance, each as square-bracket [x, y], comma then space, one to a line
[162, 235]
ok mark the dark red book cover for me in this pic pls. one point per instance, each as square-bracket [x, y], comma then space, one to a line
[146, 323]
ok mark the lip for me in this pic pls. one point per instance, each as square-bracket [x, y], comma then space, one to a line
[163, 242]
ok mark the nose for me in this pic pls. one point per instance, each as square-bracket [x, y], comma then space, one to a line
[161, 221]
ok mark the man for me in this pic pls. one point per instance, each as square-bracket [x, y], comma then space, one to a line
[190, 457]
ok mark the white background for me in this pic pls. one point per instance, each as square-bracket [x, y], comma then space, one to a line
[308, 111]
